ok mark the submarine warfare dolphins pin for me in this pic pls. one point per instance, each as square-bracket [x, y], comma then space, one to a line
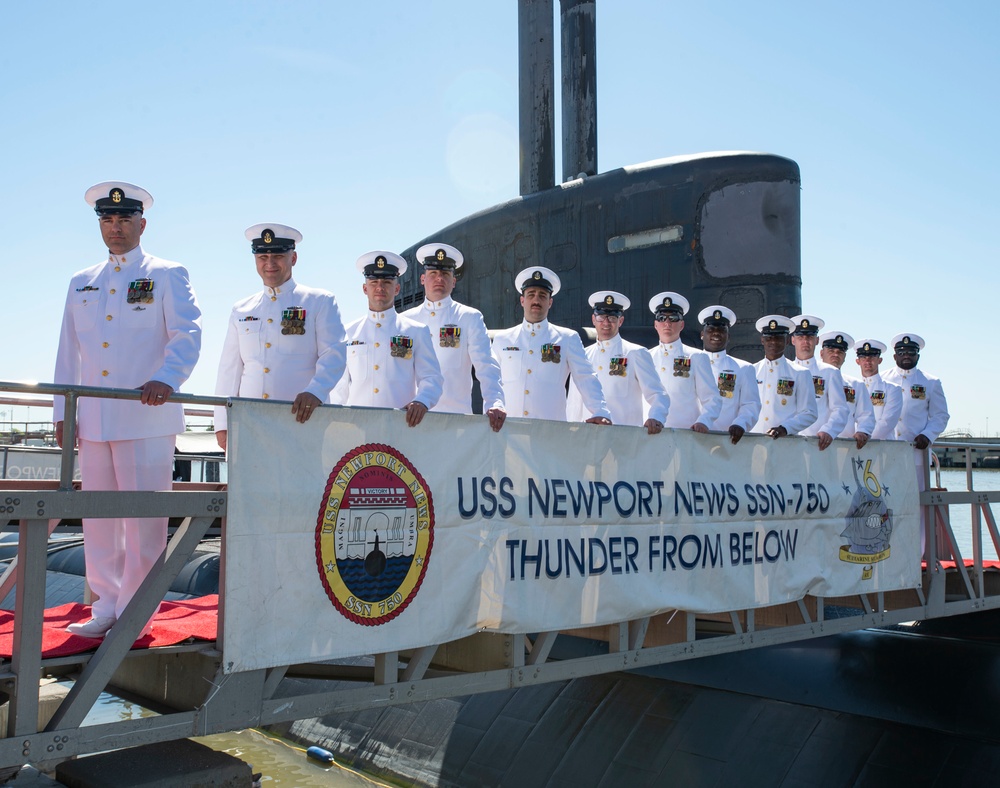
[374, 534]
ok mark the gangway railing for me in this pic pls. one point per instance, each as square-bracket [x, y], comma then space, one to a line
[208, 699]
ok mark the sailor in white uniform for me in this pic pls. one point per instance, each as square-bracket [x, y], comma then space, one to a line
[284, 342]
[861, 417]
[390, 358]
[886, 398]
[925, 409]
[828, 385]
[624, 368]
[459, 336]
[787, 402]
[537, 357]
[685, 372]
[736, 378]
[130, 322]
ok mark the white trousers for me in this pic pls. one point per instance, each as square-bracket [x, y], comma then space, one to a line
[121, 551]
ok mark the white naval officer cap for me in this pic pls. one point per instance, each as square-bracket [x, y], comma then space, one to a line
[272, 237]
[538, 276]
[669, 301]
[717, 315]
[770, 325]
[381, 265]
[110, 197]
[869, 347]
[440, 257]
[609, 302]
[837, 340]
[807, 325]
[907, 341]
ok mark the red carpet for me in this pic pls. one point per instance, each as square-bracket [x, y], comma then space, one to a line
[174, 623]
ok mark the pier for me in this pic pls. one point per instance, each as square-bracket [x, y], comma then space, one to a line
[236, 680]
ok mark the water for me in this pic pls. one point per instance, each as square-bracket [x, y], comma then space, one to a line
[282, 764]
[961, 515]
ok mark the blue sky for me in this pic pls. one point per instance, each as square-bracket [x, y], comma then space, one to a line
[370, 125]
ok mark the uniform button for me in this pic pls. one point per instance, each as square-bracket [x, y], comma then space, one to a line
[378, 325]
[269, 320]
[108, 317]
[104, 344]
[532, 333]
[766, 418]
[376, 344]
[433, 314]
[267, 344]
[112, 291]
[663, 369]
[376, 391]
[603, 350]
[526, 391]
[767, 402]
[267, 396]
[531, 352]
[529, 371]
[526, 413]
[104, 372]
[376, 366]
[118, 268]
[599, 368]
[274, 298]
[266, 370]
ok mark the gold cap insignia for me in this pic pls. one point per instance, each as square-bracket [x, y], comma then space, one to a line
[609, 300]
[667, 301]
[439, 254]
[840, 337]
[267, 236]
[773, 324]
[804, 323]
[868, 345]
[906, 340]
[116, 195]
[717, 314]
[536, 275]
[380, 261]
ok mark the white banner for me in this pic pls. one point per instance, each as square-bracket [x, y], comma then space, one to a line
[353, 534]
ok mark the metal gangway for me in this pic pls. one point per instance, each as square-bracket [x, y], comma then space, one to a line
[195, 696]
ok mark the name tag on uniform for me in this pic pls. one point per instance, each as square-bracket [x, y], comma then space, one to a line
[401, 347]
[293, 321]
[618, 366]
[727, 384]
[849, 393]
[682, 367]
[140, 291]
[87, 289]
[511, 347]
[878, 398]
[450, 336]
[819, 385]
[551, 353]
[786, 387]
[918, 392]
[248, 319]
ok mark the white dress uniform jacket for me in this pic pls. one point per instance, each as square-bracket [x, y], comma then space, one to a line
[112, 339]
[737, 383]
[831, 404]
[458, 333]
[861, 415]
[266, 357]
[390, 363]
[686, 375]
[627, 377]
[925, 410]
[887, 403]
[786, 396]
[535, 362]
